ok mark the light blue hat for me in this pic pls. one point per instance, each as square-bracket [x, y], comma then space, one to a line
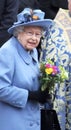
[29, 17]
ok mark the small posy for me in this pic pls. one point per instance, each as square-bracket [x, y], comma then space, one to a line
[51, 74]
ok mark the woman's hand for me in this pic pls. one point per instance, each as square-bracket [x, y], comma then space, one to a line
[39, 96]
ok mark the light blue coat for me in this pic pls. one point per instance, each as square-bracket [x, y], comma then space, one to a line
[18, 73]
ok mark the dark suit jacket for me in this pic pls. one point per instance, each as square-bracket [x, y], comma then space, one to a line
[28, 3]
[8, 13]
[51, 7]
[59, 3]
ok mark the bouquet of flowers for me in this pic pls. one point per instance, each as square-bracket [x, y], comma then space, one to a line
[51, 74]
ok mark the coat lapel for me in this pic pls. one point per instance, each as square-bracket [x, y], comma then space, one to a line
[27, 57]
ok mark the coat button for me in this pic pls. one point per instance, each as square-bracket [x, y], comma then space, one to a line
[33, 79]
[31, 124]
[38, 123]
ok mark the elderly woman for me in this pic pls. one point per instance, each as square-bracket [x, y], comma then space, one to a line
[20, 96]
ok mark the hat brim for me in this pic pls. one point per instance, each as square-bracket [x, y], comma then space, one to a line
[45, 24]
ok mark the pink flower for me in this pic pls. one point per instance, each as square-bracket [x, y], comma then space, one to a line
[48, 66]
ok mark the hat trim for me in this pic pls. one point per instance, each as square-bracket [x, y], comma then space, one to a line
[46, 23]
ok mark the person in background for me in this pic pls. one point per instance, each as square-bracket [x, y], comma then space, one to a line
[69, 7]
[8, 13]
[55, 45]
[20, 93]
[34, 4]
[51, 7]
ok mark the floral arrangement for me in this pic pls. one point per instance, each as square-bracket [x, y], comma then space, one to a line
[51, 74]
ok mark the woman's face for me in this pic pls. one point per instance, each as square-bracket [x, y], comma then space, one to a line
[29, 38]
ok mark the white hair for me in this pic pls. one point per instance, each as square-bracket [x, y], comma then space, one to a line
[18, 30]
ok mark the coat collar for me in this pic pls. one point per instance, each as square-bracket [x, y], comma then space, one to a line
[27, 57]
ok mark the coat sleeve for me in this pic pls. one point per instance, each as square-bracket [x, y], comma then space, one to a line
[10, 94]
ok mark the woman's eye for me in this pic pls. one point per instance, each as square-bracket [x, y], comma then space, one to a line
[29, 33]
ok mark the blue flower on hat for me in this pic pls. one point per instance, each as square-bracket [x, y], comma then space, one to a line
[29, 15]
